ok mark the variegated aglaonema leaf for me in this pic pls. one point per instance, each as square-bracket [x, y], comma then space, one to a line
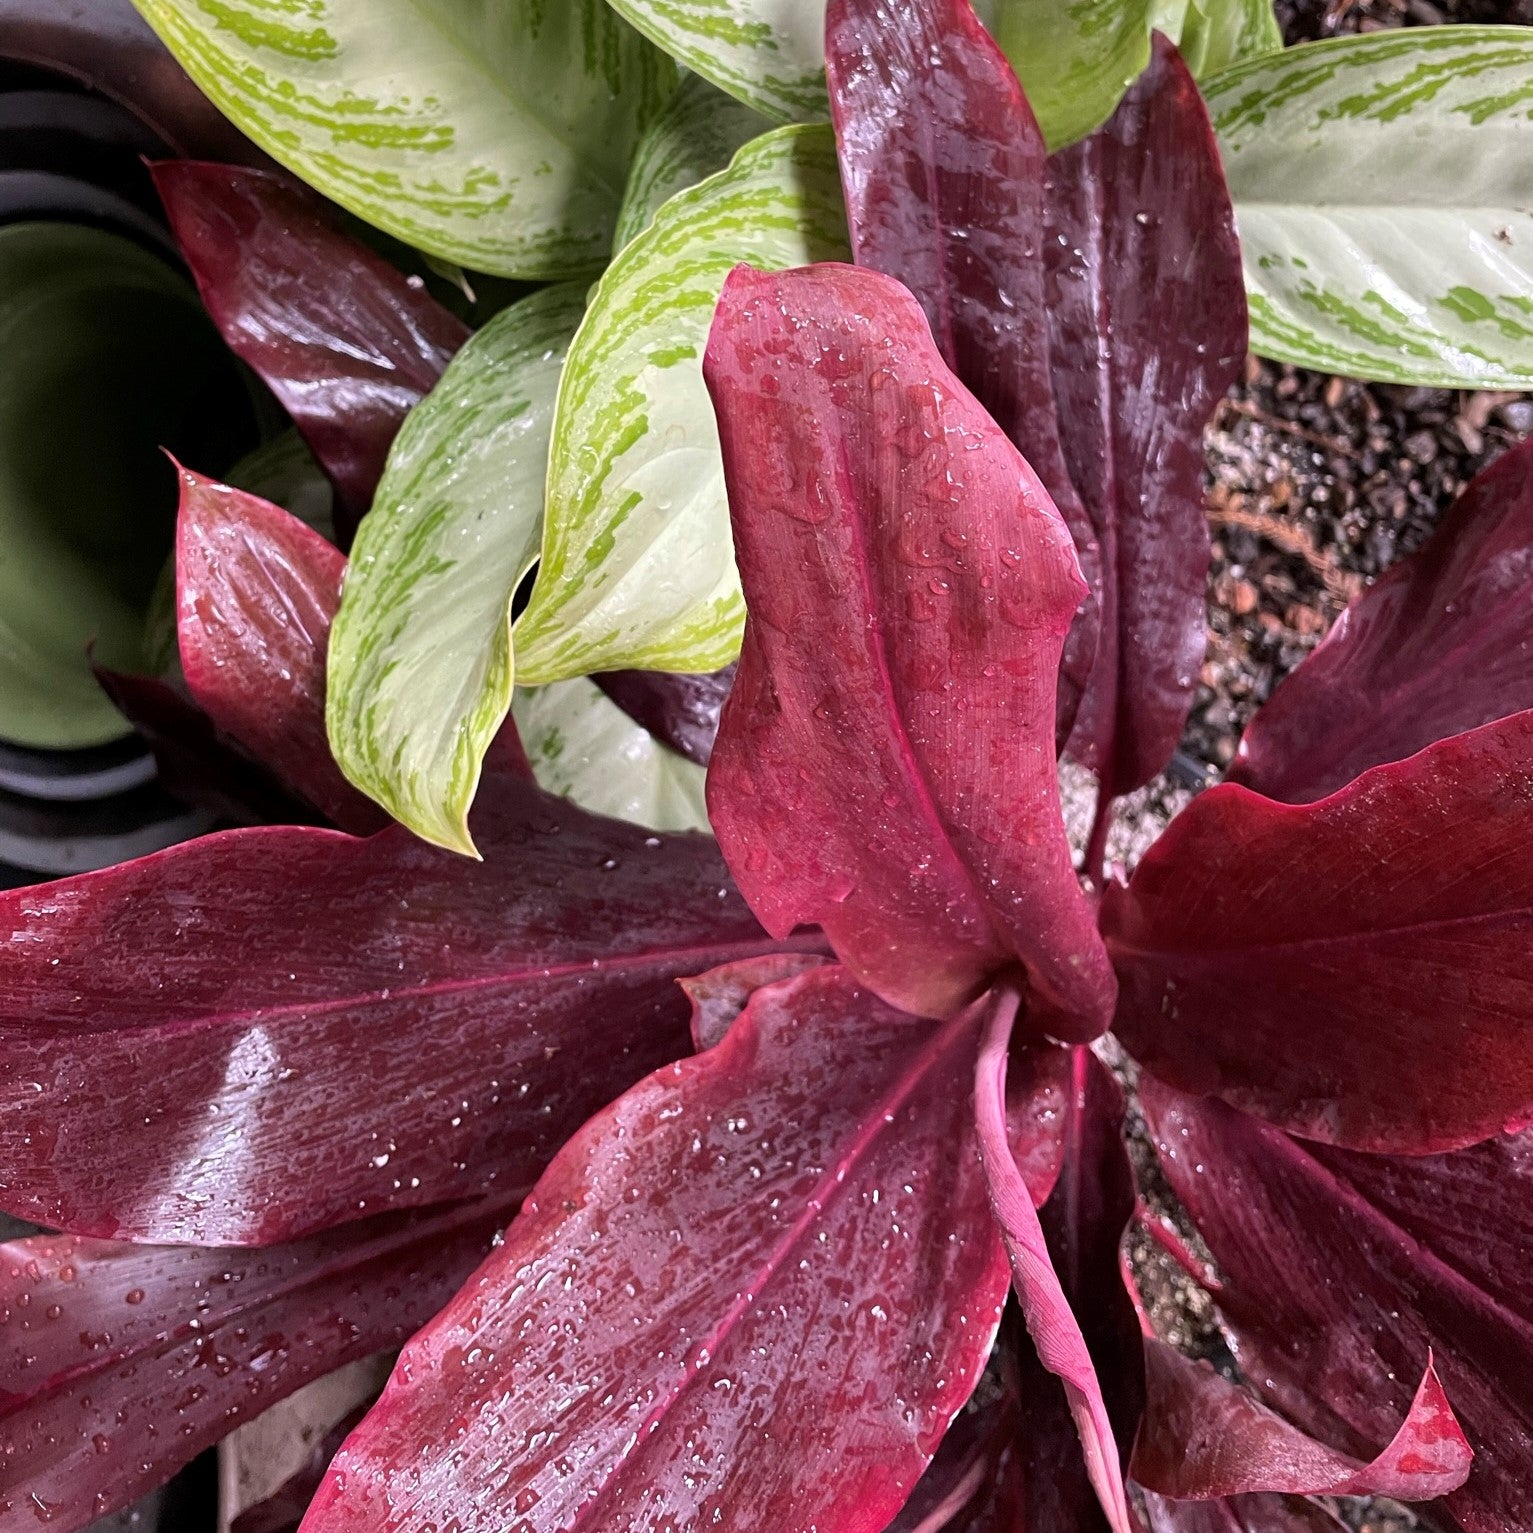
[637, 569]
[420, 655]
[1383, 185]
[582, 746]
[497, 136]
[1213, 34]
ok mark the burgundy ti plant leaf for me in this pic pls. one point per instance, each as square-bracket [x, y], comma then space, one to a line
[909, 587]
[119, 1363]
[1240, 1514]
[735, 1299]
[1205, 1437]
[343, 339]
[1344, 1272]
[1441, 643]
[256, 592]
[961, 1478]
[681, 711]
[270, 1031]
[1359, 970]
[720, 995]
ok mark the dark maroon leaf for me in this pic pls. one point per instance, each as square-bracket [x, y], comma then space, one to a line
[256, 592]
[1442, 643]
[119, 1364]
[720, 995]
[943, 166]
[681, 711]
[1205, 1436]
[734, 1299]
[909, 587]
[1240, 1514]
[344, 340]
[963, 1472]
[1345, 1271]
[1051, 1321]
[107, 46]
[1147, 312]
[270, 1031]
[1358, 970]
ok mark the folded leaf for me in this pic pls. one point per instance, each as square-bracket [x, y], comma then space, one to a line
[342, 338]
[256, 591]
[1148, 331]
[1205, 1436]
[1441, 643]
[720, 995]
[494, 137]
[421, 665]
[696, 135]
[910, 587]
[777, 1337]
[584, 747]
[1240, 1514]
[1382, 183]
[119, 1364]
[272, 1031]
[1344, 1271]
[1355, 970]
[636, 567]
[681, 710]
[1051, 1322]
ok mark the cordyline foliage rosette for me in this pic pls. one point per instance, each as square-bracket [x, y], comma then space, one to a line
[280, 1088]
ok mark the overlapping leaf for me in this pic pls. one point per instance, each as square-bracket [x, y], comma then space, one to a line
[1343, 1271]
[1211, 35]
[421, 665]
[909, 588]
[345, 342]
[1443, 642]
[1240, 1514]
[1382, 183]
[1355, 970]
[636, 567]
[760, 1304]
[497, 137]
[119, 1364]
[678, 709]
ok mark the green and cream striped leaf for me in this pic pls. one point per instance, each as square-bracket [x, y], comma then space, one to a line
[582, 746]
[492, 133]
[696, 136]
[637, 566]
[420, 668]
[1384, 190]
[1215, 34]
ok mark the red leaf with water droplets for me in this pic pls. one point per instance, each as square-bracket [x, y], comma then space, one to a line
[943, 166]
[681, 711]
[271, 1031]
[256, 592]
[1205, 1436]
[1147, 313]
[1343, 1272]
[720, 995]
[1356, 970]
[1443, 642]
[342, 338]
[119, 1364]
[885, 765]
[1240, 1514]
[735, 1298]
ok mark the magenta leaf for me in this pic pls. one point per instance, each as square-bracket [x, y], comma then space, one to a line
[943, 166]
[1205, 1436]
[342, 338]
[681, 711]
[968, 1466]
[720, 995]
[267, 1032]
[1051, 1322]
[256, 592]
[909, 587]
[1440, 644]
[119, 1364]
[1355, 970]
[1240, 1514]
[735, 1299]
[1147, 314]
[1345, 1272]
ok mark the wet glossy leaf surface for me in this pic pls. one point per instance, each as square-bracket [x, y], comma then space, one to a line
[1441, 643]
[680, 710]
[733, 1299]
[1343, 1271]
[1355, 970]
[271, 1031]
[909, 587]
